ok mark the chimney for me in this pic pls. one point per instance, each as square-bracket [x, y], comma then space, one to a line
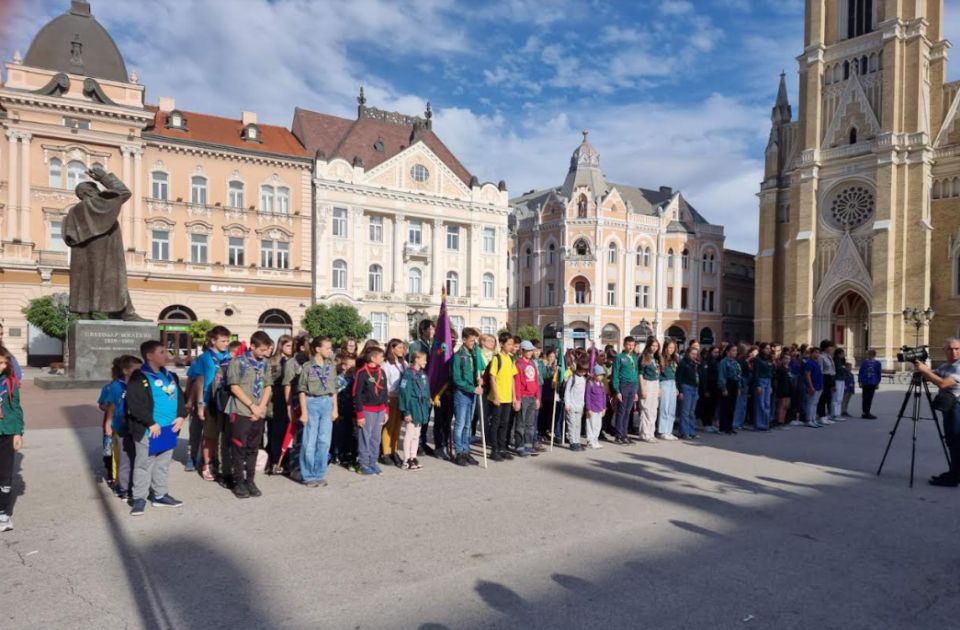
[248, 118]
[167, 104]
[666, 190]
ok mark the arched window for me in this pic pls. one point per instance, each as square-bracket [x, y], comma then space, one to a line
[639, 256]
[56, 174]
[198, 190]
[275, 323]
[266, 199]
[846, 70]
[159, 185]
[853, 135]
[863, 64]
[76, 173]
[415, 280]
[339, 274]
[528, 258]
[453, 284]
[685, 258]
[488, 286]
[646, 256]
[670, 258]
[283, 200]
[236, 194]
[612, 253]
[580, 292]
[582, 207]
[937, 189]
[375, 279]
[551, 254]
[955, 189]
[581, 248]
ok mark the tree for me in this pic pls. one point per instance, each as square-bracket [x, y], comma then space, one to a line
[199, 330]
[529, 333]
[51, 314]
[337, 321]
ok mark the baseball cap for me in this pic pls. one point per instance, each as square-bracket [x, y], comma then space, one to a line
[526, 345]
[598, 370]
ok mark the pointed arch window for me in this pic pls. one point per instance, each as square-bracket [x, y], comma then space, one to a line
[582, 207]
[612, 253]
[670, 258]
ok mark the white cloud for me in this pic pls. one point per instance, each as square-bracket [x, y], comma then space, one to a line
[676, 7]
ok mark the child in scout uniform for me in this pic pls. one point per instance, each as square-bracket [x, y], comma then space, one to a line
[415, 407]
[526, 400]
[501, 371]
[370, 407]
[208, 399]
[123, 447]
[688, 382]
[463, 373]
[318, 399]
[250, 391]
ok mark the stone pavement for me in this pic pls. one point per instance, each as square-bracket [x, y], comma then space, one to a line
[784, 530]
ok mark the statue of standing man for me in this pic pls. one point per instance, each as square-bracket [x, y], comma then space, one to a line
[98, 270]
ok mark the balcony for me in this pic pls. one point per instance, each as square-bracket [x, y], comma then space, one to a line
[415, 252]
[417, 298]
[374, 296]
[50, 258]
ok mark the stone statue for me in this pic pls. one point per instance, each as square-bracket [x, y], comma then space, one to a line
[98, 271]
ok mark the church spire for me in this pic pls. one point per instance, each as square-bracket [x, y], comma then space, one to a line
[782, 113]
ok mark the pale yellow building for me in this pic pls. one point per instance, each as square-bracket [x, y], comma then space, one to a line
[215, 228]
[860, 202]
[600, 261]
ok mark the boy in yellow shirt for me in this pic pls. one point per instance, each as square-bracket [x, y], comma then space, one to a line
[502, 372]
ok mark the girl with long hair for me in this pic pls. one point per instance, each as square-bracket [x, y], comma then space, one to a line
[394, 366]
[11, 433]
[668, 390]
[278, 417]
[650, 372]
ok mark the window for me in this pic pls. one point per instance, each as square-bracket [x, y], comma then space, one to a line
[581, 248]
[646, 257]
[75, 123]
[419, 173]
[375, 279]
[235, 251]
[159, 185]
[527, 258]
[453, 284]
[612, 254]
[160, 245]
[339, 274]
[551, 294]
[457, 323]
[55, 178]
[709, 263]
[176, 120]
[582, 207]
[611, 294]
[685, 259]
[859, 17]
[670, 259]
[266, 253]
[669, 297]
[639, 256]
[266, 199]
[853, 135]
[641, 296]
[376, 229]
[381, 328]
[488, 286]
[236, 194]
[706, 301]
[453, 237]
[683, 298]
[76, 173]
[526, 296]
[415, 280]
[283, 200]
[340, 222]
[55, 241]
[415, 233]
[551, 254]
[198, 190]
[580, 292]
[488, 325]
[198, 249]
[489, 240]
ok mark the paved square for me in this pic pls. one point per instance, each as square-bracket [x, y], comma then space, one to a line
[783, 530]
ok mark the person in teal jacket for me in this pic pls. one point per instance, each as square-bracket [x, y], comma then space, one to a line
[11, 434]
[414, 405]
[728, 379]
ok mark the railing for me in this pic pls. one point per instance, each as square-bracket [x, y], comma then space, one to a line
[52, 258]
[166, 206]
[415, 251]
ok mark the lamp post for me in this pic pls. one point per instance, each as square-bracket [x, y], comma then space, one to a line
[918, 318]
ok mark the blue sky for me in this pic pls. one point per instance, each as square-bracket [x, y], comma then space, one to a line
[674, 92]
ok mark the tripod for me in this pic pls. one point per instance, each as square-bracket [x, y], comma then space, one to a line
[916, 383]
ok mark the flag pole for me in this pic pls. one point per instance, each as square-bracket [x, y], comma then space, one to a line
[483, 430]
[553, 415]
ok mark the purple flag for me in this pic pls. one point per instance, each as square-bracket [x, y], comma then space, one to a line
[438, 366]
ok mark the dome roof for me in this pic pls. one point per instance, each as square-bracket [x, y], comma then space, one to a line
[77, 44]
[585, 154]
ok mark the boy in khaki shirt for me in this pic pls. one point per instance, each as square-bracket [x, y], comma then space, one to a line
[250, 392]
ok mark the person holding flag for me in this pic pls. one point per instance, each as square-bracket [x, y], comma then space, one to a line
[465, 370]
[438, 373]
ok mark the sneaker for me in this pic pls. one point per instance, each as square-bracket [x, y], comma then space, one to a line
[795, 423]
[813, 425]
[312, 484]
[649, 440]
[406, 465]
[460, 460]
[208, 474]
[870, 416]
[539, 448]
[367, 471]
[496, 457]
[6, 523]
[523, 452]
[166, 501]
[711, 429]
[240, 490]
[441, 453]
[945, 481]
[839, 418]
[506, 455]
[476, 440]
[669, 437]
[119, 492]
[470, 460]
[189, 466]
[415, 465]
[846, 415]
[377, 470]
[253, 489]
[139, 505]
[397, 460]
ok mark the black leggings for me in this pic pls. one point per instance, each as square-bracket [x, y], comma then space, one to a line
[728, 405]
[6, 473]
[826, 397]
[499, 426]
[246, 435]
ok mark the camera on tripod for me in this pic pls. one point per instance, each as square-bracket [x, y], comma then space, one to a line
[909, 354]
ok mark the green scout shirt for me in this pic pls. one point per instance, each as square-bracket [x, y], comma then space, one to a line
[246, 373]
[318, 378]
[463, 371]
[669, 372]
[624, 370]
[651, 371]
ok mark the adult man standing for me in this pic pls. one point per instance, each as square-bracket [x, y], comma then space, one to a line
[947, 378]
[98, 271]
[625, 380]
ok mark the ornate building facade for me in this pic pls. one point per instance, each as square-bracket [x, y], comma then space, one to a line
[597, 261]
[218, 226]
[859, 204]
[738, 286]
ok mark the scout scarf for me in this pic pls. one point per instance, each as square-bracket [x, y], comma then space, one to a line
[258, 367]
[377, 380]
[7, 387]
[162, 379]
[322, 373]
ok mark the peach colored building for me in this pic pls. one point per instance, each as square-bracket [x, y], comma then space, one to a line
[219, 221]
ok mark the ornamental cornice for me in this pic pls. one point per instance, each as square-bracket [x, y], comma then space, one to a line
[396, 195]
[854, 47]
[227, 153]
[119, 112]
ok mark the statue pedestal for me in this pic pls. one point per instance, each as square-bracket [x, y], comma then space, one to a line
[91, 347]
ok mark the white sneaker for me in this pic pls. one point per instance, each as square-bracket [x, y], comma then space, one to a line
[795, 423]
[813, 425]
[825, 421]
[711, 429]
[596, 445]
[670, 437]
[649, 439]
[838, 419]
[6, 523]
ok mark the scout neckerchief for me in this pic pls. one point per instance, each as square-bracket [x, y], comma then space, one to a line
[321, 372]
[421, 385]
[7, 387]
[161, 379]
[369, 369]
[258, 367]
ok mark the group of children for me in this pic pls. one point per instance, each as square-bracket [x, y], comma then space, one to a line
[295, 406]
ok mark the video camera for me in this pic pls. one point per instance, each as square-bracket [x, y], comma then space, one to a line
[912, 355]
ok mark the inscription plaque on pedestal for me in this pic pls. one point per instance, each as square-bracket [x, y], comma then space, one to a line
[92, 345]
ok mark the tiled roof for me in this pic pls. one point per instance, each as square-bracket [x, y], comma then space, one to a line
[370, 139]
[216, 130]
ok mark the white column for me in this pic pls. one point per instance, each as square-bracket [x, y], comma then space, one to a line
[659, 283]
[435, 279]
[127, 216]
[677, 277]
[474, 249]
[696, 267]
[25, 203]
[536, 276]
[13, 201]
[398, 284]
[137, 243]
[361, 263]
[630, 261]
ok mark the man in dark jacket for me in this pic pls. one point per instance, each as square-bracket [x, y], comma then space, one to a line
[155, 408]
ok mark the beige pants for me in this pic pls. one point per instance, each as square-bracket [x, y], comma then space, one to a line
[648, 408]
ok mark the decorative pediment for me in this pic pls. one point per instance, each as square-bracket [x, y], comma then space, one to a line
[161, 222]
[853, 111]
[236, 229]
[199, 227]
[846, 270]
[441, 179]
[275, 232]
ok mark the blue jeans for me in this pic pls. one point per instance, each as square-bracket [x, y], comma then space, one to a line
[463, 404]
[688, 407]
[761, 404]
[315, 449]
[740, 411]
[668, 407]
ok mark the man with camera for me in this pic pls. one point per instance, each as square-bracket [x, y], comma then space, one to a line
[947, 378]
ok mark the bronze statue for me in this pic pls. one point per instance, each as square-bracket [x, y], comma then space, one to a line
[98, 271]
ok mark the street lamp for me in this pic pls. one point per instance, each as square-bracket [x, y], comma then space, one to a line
[918, 318]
